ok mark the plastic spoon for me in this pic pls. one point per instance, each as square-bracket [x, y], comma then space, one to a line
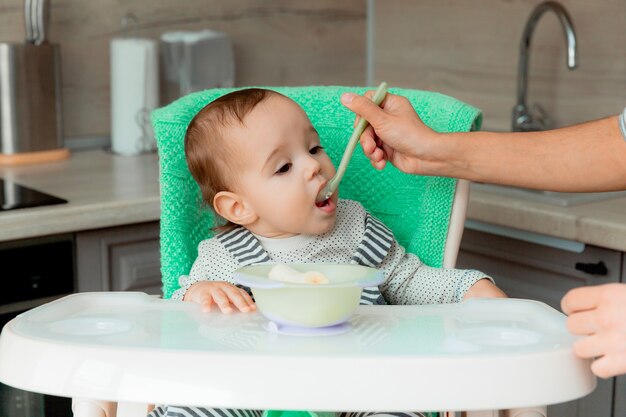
[333, 183]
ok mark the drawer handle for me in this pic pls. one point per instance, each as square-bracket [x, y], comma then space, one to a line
[598, 268]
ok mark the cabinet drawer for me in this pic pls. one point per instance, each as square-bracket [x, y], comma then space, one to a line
[125, 258]
[529, 270]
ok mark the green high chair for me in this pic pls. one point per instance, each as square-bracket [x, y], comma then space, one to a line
[426, 214]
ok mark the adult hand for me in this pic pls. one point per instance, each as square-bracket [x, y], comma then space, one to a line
[599, 314]
[221, 293]
[396, 133]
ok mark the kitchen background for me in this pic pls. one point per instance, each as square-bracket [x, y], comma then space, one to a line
[468, 50]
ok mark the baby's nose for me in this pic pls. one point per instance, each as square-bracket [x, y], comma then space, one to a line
[313, 167]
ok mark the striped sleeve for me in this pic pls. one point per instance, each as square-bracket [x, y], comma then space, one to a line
[375, 244]
[243, 246]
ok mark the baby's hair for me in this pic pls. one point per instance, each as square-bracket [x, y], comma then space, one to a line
[206, 141]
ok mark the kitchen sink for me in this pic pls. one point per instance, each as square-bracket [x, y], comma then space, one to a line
[548, 197]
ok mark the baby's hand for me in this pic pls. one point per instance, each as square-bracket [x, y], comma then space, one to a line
[484, 288]
[224, 294]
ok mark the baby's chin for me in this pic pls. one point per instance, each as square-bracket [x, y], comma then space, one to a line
[328, 226]
[318, 229]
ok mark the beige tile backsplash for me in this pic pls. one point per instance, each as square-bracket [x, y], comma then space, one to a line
[276, 42]
[470, 50]
[467, 49]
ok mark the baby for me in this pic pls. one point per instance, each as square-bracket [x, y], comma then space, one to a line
[259, 163]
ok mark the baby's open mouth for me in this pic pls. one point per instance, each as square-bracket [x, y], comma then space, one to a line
[323, 203]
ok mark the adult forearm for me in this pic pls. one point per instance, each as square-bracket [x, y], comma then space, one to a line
[585, 157]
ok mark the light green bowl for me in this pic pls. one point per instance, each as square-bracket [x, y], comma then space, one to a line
[309, 305]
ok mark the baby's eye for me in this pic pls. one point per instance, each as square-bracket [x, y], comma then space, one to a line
[316, 149]
[284, 169]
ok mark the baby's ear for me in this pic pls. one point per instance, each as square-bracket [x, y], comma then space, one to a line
[233, 208]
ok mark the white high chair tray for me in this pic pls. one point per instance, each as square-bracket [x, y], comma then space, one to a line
[130, 347]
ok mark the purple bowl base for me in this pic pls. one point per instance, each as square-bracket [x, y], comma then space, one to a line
[284, 329]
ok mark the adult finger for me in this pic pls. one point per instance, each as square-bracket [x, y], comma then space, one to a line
[609, 365]
[369, 94]
[363, 107]
[373, 148]
[583, 322]
[378, 159]
[368, 141]
[607, 343]
[591, 346]
[580, 299]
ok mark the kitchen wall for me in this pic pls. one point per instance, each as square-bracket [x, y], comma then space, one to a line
[276, 42]
[470, 49]
[465, 49]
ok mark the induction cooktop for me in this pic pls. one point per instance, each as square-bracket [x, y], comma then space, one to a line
[14, 196]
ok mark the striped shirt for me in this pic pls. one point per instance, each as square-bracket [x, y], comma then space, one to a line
[357, 237]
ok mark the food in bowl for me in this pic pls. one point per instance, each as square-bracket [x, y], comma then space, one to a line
[309, 305]
[285, 273]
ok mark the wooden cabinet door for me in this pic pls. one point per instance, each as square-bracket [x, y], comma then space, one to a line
[124, 258]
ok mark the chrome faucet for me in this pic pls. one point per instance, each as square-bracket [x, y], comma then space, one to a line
[525, 120]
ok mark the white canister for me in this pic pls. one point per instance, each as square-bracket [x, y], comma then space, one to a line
[134, 94]
[195, 61]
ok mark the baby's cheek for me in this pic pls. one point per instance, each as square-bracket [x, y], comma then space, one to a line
[328, 169]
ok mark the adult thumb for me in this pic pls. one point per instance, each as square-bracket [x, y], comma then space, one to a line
[363, 107]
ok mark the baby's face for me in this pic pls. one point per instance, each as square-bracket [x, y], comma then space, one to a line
[281, 169]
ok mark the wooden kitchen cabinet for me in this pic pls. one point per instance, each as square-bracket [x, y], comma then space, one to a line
[533, 271]
[124, 258]
[619, 407]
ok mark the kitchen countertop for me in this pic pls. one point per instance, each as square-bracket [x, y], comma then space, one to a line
[107, 190]
[601, 223]
[103, 190]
